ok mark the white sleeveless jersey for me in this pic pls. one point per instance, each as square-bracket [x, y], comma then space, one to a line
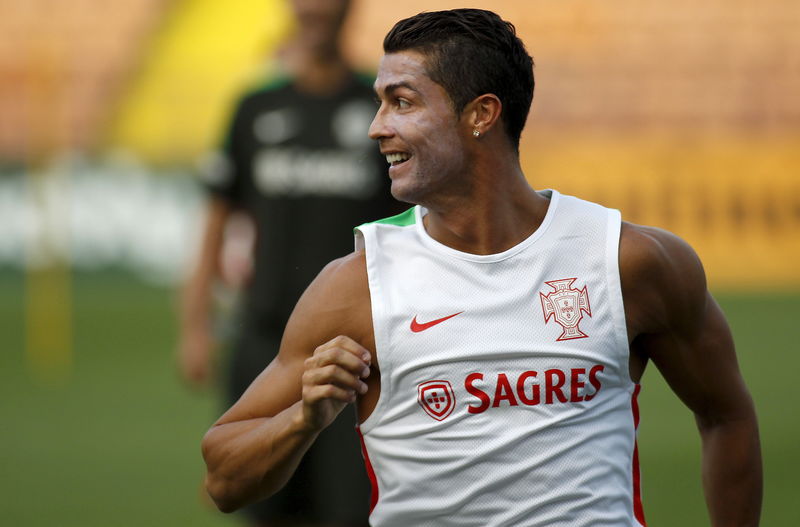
[505, 393]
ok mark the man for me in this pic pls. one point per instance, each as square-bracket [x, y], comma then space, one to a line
[493, 337]
[298, 161]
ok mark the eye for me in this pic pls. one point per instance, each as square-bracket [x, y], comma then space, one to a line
[403, 104]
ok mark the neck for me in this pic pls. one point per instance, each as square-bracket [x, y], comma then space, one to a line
[318, 72]
[498, 210]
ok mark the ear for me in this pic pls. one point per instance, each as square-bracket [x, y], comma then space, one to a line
[482, 113]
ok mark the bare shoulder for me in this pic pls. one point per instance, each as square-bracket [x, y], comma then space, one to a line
[663, 281]
[340, 276]
[336, 303]
[644, 250]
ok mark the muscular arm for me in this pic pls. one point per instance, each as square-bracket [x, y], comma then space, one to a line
[674, 321]
[253, 449]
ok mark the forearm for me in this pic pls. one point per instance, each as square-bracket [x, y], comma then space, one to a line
[196, 338]
[732, 478]
[196, 295]
[196, 300]
[196, 303]
[253, 459]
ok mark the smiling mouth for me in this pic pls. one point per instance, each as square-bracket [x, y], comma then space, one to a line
[397, 158]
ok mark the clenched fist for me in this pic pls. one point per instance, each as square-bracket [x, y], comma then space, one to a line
[332, 379]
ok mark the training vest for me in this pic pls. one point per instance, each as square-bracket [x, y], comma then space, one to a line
[506, 398]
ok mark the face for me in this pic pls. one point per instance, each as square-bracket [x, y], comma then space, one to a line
[418, 131]
[320, 21]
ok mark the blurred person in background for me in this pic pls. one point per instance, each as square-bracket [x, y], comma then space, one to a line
[298, 161]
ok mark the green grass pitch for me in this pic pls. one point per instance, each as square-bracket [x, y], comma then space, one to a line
[118, 444]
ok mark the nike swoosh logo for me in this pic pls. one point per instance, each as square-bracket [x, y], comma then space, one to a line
[416, 327]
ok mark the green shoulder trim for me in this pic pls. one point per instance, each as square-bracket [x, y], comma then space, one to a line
[401, 220]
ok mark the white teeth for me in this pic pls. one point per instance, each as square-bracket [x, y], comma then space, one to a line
[396, 157]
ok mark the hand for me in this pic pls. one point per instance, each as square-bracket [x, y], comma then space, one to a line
[331, 380]
[194, 357]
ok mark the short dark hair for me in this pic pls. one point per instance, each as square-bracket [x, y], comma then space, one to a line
[470, 52]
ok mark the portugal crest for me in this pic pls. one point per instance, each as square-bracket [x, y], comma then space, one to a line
[566, 306]
[436, 398]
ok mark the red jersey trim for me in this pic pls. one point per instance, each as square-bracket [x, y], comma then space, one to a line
[373, 498]
[638, 508]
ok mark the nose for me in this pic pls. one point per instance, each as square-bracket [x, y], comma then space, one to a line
[378, 129]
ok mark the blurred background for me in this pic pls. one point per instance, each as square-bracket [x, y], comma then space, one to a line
[684, 115]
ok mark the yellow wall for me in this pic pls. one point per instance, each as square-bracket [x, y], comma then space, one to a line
[206, 51]
[735, 200]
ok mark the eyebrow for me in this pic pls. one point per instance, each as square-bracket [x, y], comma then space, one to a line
[389, 88]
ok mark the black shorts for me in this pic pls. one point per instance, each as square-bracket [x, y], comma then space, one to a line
[330, 485]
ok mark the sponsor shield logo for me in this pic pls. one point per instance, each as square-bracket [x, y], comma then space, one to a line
[436, 398]
[566, 306]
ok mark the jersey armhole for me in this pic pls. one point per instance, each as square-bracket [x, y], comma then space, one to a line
[366, 239]
[613, 232]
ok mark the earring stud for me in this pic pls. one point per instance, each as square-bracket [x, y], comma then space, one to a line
[476, 133]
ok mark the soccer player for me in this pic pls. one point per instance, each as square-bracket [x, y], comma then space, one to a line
[492, 337]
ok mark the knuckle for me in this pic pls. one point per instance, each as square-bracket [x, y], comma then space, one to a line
[337, 354]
